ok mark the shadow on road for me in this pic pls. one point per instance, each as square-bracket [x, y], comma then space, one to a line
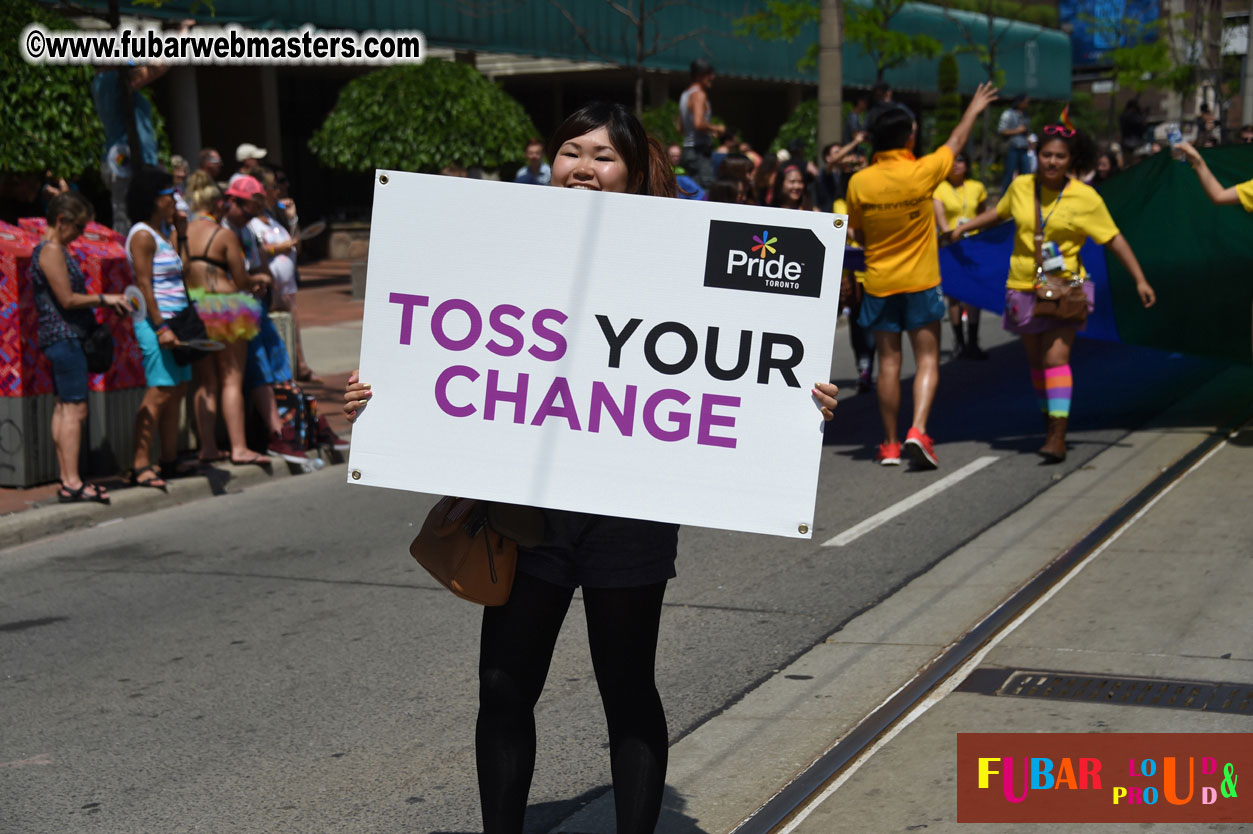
[992, 401]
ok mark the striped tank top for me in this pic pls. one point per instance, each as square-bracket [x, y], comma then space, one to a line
[167, 272]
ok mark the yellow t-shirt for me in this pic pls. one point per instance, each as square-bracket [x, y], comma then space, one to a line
[961, 203]
[840, 206]
[890, 202]
[1071, 217]
[1245, 192]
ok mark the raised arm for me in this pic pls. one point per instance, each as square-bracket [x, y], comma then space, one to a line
[984, 96]
[1218, 195]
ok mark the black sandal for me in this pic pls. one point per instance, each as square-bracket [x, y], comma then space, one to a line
[65, 495]
[156, 482]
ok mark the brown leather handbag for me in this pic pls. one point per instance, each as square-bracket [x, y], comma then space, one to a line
[471, 546]
[1056, 296]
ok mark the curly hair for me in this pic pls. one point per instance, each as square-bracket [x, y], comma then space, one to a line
[1082, 149]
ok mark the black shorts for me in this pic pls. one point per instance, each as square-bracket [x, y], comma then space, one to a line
[601, 551]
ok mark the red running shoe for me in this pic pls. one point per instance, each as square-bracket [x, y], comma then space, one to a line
[284, 446]
[889, 454]
[921, 450]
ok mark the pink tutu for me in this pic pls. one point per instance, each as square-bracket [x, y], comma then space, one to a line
[228, 317]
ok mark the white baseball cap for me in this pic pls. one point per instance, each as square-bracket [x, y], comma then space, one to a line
[249, 151]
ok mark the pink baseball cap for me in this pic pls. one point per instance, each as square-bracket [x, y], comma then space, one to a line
[247, 188]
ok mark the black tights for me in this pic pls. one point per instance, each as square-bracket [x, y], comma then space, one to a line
[517, 647]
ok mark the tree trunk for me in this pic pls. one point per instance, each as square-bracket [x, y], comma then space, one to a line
[830, 74]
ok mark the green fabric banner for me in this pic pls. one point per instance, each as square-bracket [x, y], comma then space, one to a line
[1198, 256]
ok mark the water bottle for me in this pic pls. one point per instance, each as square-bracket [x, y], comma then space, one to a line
[312, 464]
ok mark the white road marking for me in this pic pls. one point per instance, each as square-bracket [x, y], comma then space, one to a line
[880, 518]
[954, 680]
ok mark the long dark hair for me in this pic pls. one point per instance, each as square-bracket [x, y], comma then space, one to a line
[776, 196]
[648, 169]
[1082, 148]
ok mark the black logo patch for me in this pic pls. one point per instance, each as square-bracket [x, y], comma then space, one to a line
[774, 259]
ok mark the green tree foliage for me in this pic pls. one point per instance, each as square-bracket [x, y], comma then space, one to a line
[1148, 60]
[421, 118]
[802, 125]
[661, 123]
[948, 109]
[47, 119]
[867, 25]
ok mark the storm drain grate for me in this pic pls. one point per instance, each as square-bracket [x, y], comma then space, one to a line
[1231, 698]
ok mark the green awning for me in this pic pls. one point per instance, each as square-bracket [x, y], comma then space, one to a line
[1035, 60]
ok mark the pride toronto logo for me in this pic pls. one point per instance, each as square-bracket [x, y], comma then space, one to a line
[776, 260]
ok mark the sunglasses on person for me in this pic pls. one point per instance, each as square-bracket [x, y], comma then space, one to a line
[1059, 130]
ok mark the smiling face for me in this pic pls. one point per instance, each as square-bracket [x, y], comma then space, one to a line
[591, 162]
[1054, 159]
[793, 187]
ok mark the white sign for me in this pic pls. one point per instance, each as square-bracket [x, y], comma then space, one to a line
[628, 356]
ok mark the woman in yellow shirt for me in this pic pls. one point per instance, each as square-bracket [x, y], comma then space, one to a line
[1069, 213]
[957, 200]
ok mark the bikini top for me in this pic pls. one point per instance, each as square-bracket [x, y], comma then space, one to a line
[204, 256]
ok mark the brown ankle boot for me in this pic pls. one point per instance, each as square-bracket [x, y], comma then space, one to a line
[1054, 447]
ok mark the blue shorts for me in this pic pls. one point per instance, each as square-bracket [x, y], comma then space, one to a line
[69, 370]
[601, 551]
[267, 358]
[160, 369]
[902, 312]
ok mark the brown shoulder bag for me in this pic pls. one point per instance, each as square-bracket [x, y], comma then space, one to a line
[471, 546]
[1056, 296]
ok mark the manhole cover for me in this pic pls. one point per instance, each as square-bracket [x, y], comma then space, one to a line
[1234, 698]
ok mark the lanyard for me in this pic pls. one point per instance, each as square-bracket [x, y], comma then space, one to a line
[1043, 221]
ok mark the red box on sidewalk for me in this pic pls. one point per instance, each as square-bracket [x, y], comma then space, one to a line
[35, 226]
[24, 371]
[104, 265]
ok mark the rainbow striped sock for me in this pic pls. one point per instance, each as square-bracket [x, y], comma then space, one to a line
[1057, 383]
[1041, 395]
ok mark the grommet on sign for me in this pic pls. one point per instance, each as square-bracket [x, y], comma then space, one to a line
[356, 474]
[382, 179]
[839, 224]
[803, 529]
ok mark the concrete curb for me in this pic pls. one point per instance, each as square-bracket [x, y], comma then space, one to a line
[50, 518]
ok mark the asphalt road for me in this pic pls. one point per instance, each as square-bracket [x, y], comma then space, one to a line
[273, 661]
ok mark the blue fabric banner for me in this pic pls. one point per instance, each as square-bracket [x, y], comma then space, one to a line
[974, 271]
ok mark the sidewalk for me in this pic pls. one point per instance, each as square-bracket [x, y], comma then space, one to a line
[1167, 598]
[331, 329]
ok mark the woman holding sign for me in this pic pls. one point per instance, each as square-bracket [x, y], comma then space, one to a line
[1055, 214]
[622, 565]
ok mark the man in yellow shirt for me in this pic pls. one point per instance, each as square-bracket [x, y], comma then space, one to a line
[890, 213]
[1241, 193]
